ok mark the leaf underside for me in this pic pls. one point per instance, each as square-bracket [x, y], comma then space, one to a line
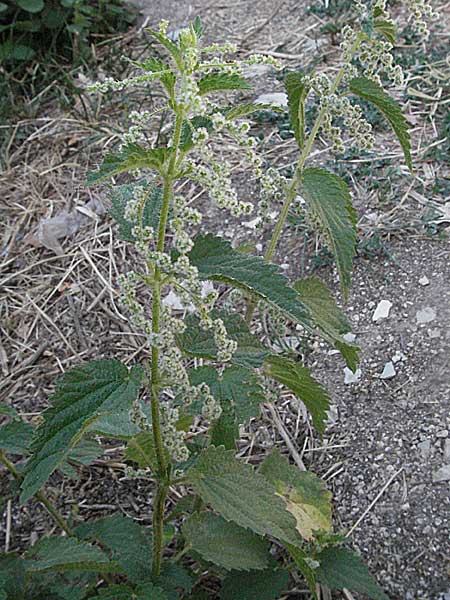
[328, 201]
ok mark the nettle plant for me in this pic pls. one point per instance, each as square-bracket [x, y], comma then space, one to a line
[242, 528]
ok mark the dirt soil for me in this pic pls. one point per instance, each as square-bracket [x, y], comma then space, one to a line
[386, 451]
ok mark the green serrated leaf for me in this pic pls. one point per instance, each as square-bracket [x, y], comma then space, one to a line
[174, 578]
[82, 395]
[216, 260]
[150, 591]
[296, 91]
[387, 28]
[374, 93]
[225, 544]
[151, 211]
[243, 110]
[31, 6]
[141, 450]
[299, 379]
[129, 542]
[172, 48]
[9, 411]
[199, 343]
[197, 26]
[13, 576]
[340, 568]
[222, 82]
[328, 317]
[262, 585]
[115, 425]
[188, 128]
[130, 158]
[116, 592]
[305, 495]
[240, 494]
[84, 453]
[66, 554]
[16, 437]
[328, 200]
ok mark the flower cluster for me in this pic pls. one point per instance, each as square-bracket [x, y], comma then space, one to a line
[422, 11]
[354, 123]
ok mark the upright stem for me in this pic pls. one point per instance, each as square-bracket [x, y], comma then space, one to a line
[39, 495]
[291, 191]
[162, 486]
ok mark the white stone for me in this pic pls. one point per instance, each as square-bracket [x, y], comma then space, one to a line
[426, 315]
[253, 223]
[424, 280]
[425, 448]
[388, 371]
[275, 98]
[382, 310]
[398, 356]
[442, 474]
[349, 337]
[350, 377]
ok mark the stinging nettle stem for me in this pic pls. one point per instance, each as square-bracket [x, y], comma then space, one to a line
[158, 508]
[292, 189]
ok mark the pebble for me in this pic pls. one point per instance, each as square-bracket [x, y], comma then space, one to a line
[398, 356]
[382, 310]
[424, 280]
[426, 315]
[388, 371]
[442, 434]
[349, 337]
[424, 448]
[442, 474]
[447, 449]
[350, 377]
[276, 98]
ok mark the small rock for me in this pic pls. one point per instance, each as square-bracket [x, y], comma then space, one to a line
[434, 333]
[424, 448]
[382, 310]
[442, 434]
[398, 356]
[426, 315]
[253, 223]
[442, 474]
[388, 371]
[350, 377]
[256, 71]
[275, 98]
[424, 280]
[349, 337]
[447, 449]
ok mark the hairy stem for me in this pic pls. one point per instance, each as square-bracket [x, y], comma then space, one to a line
[161, 493]
[39, 495]
[291, 191]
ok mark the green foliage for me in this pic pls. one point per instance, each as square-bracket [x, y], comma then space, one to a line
[130, 158]
[297, 92]
[82, 395]
[327, 316]
[298, 379]
[328, 200]
[372, 92]
[339, 568]
[305, 495]
[241, 495]
[129, 543]
[141, 450]
[150, 213]
[15, 437]
[216, 260]
[200, 343]
[66, 554]
[265, 585]
[222, 82]
[225, 544]
[239, 394]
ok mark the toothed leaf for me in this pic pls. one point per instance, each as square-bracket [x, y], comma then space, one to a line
[298, 379]
[296, 91]
[82, 395]
[328, 201]
[224, 543]
[374, 93]
[259, 585]
[222, 82]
